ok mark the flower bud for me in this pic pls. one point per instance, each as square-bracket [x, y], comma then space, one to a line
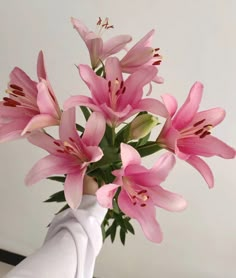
[142, 125]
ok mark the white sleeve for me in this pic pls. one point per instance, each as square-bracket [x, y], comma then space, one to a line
[72, 243]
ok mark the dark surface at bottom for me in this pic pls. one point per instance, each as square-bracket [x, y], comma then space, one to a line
[10, 258]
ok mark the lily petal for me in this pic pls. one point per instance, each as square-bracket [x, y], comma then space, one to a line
[44, 141]
[73, 188]
[67, 127]
[80, 101]
[170, 103]
[45, 101]
[12, 130]
[96, 84]
[207, 146]
[41, 71]
[113, 70]
[158, 79]
[80, 27]
[129, 155]
[94, 129]
[144, 215]
[188, 110]
[213, 116]
[94, 153]
[202, 168]
[40, 121]
[138, 57]
[8, 112]
[166, 199]
[145, 41]
[134, 54]
[135, 83]
[153, 106]
[140, 175]
[48, 166]
[95, 46]
[105, 194]
[164, 165]
[115, 44]
[20, 78]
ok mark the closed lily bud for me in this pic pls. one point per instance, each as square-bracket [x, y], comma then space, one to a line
[142, 125]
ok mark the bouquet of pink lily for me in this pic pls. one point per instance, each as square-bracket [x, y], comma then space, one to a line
[119, 121]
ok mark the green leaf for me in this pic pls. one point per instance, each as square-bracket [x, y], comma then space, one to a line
[110, 157]
[149, 148]
[113, 231]
[57, 197]
[100, 71]
[129, 226]
[103, 231]
[108, 135]
[85, 112]
[122, 135]
[143, 140]
[57, 178]
[122, 236]
[120, 220]
[79, 128]
[115, 206]
[62, 209]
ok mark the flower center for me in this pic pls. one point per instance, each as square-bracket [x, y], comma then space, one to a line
[115, 90]
[200, 129]
[18, 98]
[138, 196]
[103, 25]
[71, 148]
[157, 56]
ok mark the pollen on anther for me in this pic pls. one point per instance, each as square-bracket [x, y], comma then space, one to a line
[199, 131]
[156, 63]
[142, 191]
[99, 21]
[13, 86]
[10, 102]
[109, 85]
[199, 122]
[18, 93]
[57, 143]
[208, 127]
[205, 133]
[71, 139]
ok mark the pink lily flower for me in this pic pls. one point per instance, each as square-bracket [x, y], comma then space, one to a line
[141, 190]
[141, 55]
[187, 133]
[30, 105]
[115, 98]
[70, 155]
[98, 49]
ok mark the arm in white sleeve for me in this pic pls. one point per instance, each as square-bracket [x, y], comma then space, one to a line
[72, 243]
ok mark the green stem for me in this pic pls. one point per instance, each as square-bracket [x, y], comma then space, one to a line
[113, 136]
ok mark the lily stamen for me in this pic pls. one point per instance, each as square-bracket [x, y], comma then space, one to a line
[103, 25]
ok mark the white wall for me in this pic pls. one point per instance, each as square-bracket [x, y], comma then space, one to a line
[198, 42]
[4, 268]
